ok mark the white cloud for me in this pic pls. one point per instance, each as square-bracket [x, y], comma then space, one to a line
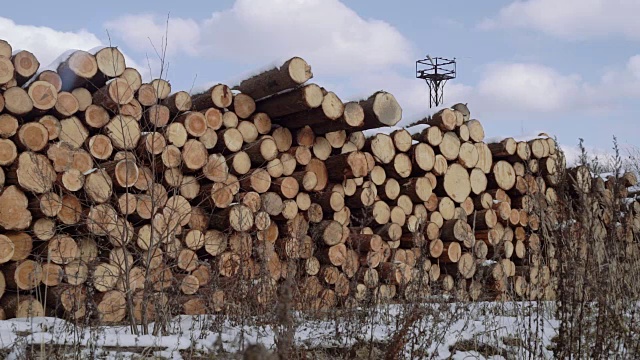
[625, 81]
[532, 87]
[571, 19]
[44, 42]
[331, 36]
[149, 32]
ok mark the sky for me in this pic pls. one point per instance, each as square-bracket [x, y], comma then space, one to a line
[569, 68]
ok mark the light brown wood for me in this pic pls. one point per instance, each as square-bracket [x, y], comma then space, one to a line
[17, 101]
[292, 73]
[66, 104]
[23, 275]
[502, 175]
[124, 132]
[8, 152]
[73, 132]
[21, 306]
[219, 96]
[476, 131]
[444, 119]
[456, 183]
[8, 125]
[6, 69]
[26, 66]
[485, 158]
[114, 94]
[83, 96]
[43, 95]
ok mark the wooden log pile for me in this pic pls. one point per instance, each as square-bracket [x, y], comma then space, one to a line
[121, 197]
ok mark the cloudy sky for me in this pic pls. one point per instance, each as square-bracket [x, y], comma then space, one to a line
[570, 68]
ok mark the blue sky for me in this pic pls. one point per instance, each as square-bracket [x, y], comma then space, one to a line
[570, 68]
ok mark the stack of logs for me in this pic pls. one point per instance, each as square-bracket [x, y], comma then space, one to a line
[120, 196]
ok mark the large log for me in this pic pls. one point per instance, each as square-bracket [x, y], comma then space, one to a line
[26, 65]
[380, 109]
[291, 74]
[300, 99]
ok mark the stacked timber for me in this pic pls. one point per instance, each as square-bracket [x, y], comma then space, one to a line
[120, 197]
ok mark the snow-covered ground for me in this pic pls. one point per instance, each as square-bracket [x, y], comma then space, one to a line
[452, 331]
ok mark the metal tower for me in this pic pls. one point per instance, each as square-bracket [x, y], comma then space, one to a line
[436, 72]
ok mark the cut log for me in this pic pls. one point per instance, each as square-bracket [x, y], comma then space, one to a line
[195, 123]
[73, 132]
[26, 65]
[66, 105]
[43, 95]
[83, 96]
[503, 149]
[381, 109]
[17, 101]
[451, 252]
[502, 175]
[485, 159]
[8, 152]
[124, 132]
[330, 110]
[484, 219]
[6, 69]
[291, 74]
[21, 306]
[111, 306]
[34, 172]
[450, 146]
[146, 94]
[468, 155]
[476, 131]
[72, 180]
[456, 183]
[157, 115]
[23, 275]
[382, 147]
[114, 94]
[444, 119]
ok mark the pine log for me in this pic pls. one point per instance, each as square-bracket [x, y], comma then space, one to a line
[6, 69]
[381, 109]
[43, 95]
[291, 74]
[26, 66]
[66, 105]
[444, 119]
[352, 118]
[248, 130]
[456, 183]
[146, 95]
[111, 306]
[450, 146]
[21, 306]
[157, 115]
[83, 96]
[485, 158]
[8, 152]
[300, 99]
[484, 219]
[382, 147]
[114, 94]
[178, 102]
[502, 176]
[476, 131]
[17, 101]
[23, 275]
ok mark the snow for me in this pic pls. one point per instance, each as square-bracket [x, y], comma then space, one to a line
[489, 323]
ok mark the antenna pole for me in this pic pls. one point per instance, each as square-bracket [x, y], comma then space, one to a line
[436, 74]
